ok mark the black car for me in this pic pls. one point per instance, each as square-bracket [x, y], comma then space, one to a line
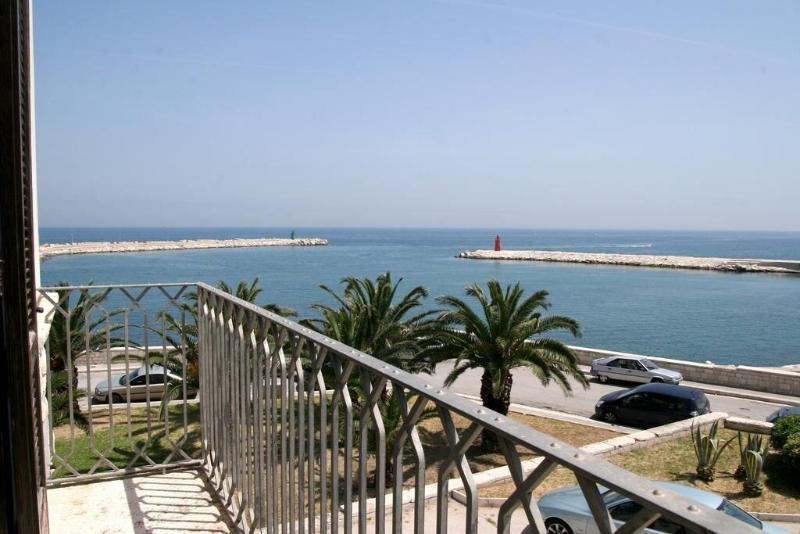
[652, 405]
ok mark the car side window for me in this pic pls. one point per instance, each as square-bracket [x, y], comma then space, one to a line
[635, 401]
[625, 510]
[665, 404]
[636, 366]
[138, 381]
[613, 363]
[157, 378]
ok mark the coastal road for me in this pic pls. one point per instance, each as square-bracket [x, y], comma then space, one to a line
[529, 391]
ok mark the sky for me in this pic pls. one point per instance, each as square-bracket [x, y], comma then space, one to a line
[419, 113]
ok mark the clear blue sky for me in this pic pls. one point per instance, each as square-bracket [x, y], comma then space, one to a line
[530, 114]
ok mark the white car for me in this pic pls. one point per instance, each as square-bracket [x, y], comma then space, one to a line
[138, 385]
[632, 369]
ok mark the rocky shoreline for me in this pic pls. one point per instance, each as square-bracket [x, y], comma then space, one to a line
[637, 260]
[113, 247]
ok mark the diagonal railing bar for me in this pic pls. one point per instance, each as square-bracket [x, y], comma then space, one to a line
[319, 492]
[638, 522]
[524, 489]
[605, 525]
[457, 459]
[515, 468]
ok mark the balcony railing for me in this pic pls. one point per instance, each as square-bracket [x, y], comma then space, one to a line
[292, 428]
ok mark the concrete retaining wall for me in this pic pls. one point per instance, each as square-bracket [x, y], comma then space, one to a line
[739, 376]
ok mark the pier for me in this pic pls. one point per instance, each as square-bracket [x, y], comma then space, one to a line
[112, 247]
[640, 260]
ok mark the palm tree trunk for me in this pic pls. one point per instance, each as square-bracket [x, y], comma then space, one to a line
[491, 401]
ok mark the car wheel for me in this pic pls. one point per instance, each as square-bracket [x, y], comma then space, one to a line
[602, 378]
[557, 526]
[609, 416]
[656, 380]
[116, 398]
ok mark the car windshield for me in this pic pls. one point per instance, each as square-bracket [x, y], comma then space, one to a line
[648, 364]
[130, 376]
[732, 510]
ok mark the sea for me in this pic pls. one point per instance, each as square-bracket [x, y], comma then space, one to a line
[725, 318]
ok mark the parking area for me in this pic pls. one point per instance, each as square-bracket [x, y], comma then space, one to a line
[529, 391]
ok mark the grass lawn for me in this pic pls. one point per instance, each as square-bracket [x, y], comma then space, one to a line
[675, 461]
[119, 447]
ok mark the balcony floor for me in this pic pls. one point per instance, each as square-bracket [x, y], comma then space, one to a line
[177, 501]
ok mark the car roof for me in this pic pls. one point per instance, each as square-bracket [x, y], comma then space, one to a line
[672, 390]
[625, 357]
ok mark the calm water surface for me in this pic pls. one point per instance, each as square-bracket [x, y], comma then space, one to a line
[726, 318]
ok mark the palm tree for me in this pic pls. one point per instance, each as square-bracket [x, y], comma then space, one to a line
[372, 317]
[504, 334]
[251, 292]
[369, 318]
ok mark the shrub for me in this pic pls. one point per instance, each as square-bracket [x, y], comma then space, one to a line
[785, 427]
[708, 450]
[791, 453]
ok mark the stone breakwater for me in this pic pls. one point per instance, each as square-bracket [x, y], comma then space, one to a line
[637, 260]
[106, 247]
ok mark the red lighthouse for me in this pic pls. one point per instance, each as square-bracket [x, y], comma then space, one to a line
[498, 245]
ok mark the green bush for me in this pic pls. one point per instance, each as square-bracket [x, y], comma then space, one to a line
[791, 452]
[785, 427]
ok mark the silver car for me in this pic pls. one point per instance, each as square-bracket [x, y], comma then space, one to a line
[632, 369]
[138, 383]
[780, 413]
[566, 512]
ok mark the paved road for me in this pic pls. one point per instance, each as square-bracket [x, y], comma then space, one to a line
[529, 391]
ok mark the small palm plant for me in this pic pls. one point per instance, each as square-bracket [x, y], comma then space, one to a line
[708, 450]
[754, 465]
[747, 442]
[506, 332]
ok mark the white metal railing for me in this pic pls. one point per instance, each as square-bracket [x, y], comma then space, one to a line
[282, 430]
[289, 426]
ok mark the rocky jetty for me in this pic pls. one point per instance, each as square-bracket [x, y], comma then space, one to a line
[106, 247]
[640, 260]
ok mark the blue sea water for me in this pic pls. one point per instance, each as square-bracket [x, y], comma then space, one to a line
[751, 319]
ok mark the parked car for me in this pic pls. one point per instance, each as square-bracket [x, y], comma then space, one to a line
[566, 512]
[780, 413]
[138, 381]
[652, 405]
[632, 369]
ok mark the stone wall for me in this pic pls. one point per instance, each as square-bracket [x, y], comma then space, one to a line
[740, 376]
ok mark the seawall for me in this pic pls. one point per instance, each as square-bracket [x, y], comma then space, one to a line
[106, 247]
[640, 260]
[766, 379]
